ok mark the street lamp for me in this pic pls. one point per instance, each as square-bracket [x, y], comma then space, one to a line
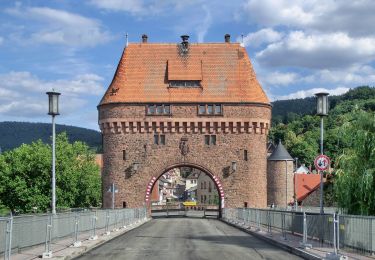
[321, 110]
[53, 110]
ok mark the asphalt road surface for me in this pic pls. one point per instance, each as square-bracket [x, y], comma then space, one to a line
[186, 238]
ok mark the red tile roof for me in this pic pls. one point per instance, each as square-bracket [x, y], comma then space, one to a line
[145, 69]
[304, 184]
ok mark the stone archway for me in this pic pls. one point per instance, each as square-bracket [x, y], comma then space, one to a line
[215, 180]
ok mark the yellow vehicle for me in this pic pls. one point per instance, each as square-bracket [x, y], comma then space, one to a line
[190, 203]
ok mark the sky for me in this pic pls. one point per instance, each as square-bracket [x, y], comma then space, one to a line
[297, 47]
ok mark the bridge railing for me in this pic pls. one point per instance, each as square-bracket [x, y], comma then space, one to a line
[19, 232]
[336, 231]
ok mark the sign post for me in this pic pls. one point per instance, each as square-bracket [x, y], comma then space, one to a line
[322, 162]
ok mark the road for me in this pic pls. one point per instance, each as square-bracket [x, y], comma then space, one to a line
[186, 238]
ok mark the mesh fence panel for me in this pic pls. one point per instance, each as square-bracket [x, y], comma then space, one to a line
[356, 233]
[32, 230]
[63, 225]
[3, 229]
[28, 230]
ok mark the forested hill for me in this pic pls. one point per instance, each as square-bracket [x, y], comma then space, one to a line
[13, 134]
[284, 111]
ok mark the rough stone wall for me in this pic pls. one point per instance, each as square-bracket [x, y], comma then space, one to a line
[241, 127]
[276, 188]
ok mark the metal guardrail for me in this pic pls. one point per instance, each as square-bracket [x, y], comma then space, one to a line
[179, 210]
[350, 232]
[17, 232]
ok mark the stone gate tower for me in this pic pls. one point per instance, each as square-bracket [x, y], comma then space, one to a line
[185, 104]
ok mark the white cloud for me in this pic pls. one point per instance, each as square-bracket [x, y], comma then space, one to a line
[25, 93]
[60, 27]
[318, 51]
[279, 12]
[352, 17]
[131, 6]
[25, 81]
[278, 78]
[203, 27]
[311, 92]
[260, 37]
[354, 76]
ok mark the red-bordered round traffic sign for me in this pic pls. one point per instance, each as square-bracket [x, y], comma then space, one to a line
[322, 162]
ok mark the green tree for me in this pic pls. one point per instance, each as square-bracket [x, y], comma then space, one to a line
[25, 176]
[355, 180]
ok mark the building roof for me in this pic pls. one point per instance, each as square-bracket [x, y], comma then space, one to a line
[305, 184]
[303, 170]
[280, 154]
[145, 70]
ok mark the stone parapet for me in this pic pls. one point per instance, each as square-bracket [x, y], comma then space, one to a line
[182, 125]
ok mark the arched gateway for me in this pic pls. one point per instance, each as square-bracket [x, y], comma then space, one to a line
[214, 178]
[185, 104]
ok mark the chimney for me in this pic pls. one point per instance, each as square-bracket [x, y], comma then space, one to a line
[144, 38]
[227, 38]
[185, 41]
[185, 38]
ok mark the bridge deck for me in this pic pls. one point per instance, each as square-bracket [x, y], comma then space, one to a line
[186, 238]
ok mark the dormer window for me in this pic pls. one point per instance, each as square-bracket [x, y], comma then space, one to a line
[185, 83]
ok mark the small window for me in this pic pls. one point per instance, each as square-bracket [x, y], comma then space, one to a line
[245, 204]
[159, 139]
[207, 140]
[245, 156]
[209, 187]
[160, 109]
[185, 83]
[210, 139]
[213, 139]
[124, 155]
[217, 109]
[156, 139]
[202, 109]
[151, 109]
[124, 204]
[162, 139]
[210, 109]
[167, 109]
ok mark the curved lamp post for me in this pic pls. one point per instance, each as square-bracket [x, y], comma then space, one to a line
[53, 110]
[321, 110]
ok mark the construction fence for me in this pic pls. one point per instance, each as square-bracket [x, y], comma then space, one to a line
[19, 232]
[350, 232]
